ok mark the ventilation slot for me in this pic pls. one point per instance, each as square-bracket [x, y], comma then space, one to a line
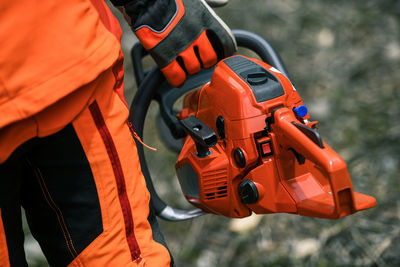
[215, 184]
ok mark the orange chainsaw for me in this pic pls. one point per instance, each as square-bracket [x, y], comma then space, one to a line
[248, 142]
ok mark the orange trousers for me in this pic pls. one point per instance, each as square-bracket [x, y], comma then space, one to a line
[82, 189]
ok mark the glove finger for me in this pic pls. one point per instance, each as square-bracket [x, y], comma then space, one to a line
[190, 60]
[206, 51]
[174, 73]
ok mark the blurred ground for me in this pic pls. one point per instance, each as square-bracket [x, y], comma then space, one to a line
[344, 59]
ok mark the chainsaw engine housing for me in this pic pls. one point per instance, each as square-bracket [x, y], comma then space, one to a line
[251, 147]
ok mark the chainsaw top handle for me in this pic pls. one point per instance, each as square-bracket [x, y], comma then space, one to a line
[152, 85]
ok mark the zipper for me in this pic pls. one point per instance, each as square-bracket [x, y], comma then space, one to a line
[120, 180]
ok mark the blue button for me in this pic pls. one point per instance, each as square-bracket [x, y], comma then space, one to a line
[301, 111]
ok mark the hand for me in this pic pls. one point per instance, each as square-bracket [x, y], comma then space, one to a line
[182, 36]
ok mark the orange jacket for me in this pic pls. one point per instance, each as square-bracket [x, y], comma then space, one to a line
[49, 50]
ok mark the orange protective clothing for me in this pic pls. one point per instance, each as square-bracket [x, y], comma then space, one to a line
[50, 50]
[60, 65]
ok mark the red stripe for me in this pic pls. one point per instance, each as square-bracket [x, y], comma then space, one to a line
[119, 178]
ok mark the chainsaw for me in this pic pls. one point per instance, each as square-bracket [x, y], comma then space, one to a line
[246, 141]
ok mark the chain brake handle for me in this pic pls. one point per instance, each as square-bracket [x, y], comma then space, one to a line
[153, 86]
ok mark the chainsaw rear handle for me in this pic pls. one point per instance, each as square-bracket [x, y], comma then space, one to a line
[152, 85]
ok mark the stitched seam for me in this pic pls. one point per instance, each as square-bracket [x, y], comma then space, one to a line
[59, 221]
[58, 209]
[58, 213]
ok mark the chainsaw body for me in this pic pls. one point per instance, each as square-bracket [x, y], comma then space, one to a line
[252, 148]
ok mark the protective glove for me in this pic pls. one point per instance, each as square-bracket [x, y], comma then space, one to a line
[182, 36]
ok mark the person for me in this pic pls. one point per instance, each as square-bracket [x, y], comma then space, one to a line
[67, 154]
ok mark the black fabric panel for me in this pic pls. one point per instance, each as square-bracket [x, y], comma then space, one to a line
[10, 183]
[11, 173]
[195, 20]
[153, 13]
[61, 202]
[12, 223]
[45, 225]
